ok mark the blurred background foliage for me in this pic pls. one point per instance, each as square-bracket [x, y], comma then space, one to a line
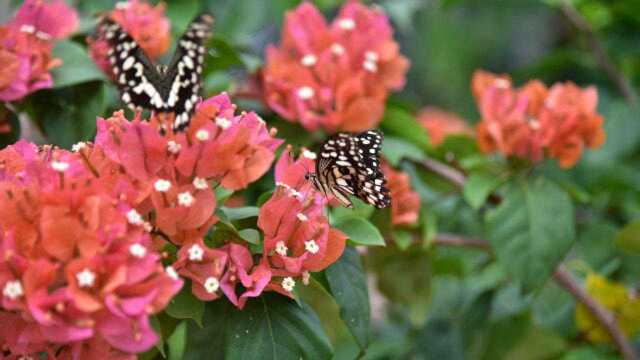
[434, 302]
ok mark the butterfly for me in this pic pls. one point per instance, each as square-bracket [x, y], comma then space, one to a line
[172, 88]
[349, 164]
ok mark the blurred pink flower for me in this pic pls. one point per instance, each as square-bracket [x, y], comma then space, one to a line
[334, 76]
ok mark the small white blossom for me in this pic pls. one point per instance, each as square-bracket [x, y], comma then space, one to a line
[311, 246]
[59, 166]
[309, 154]
[43, 35]
[288, 283]
[162, 185]
[200, 183]
[172, 272]
[147, 226]
[138, 250]
[305, 92]
[122, 5]
[173, 147]
[196, 253]
[29, 29]
[134, 217]
[202, 135]
[302, 217]
[305, 277]
[85, 278]
[370, 66]
[78, 146]
[223, 123]
[346, 24]
[185, 199]
[13, 290]
[502, 83]
[211, 285]
[281, 248]
[371, 56]
[309, 60]
[337, 49]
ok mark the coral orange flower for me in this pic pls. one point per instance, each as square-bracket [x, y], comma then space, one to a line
[334, 76]
[405, 202]
[440, 124]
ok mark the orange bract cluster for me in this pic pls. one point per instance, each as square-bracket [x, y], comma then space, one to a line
[146, 24]
[440, 124]
[334, 76]
[533, 121]
[405, 202]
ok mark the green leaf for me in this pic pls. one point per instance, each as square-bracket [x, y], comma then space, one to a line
[186, 306]
[240, 213]
[396, 149]
[360, 209]
[402, 238]
[269, 327]
[348, 285]
[532, 230]
[157, 327]
[628, 239]
[478, 187]
[222, 55]
[252, 236]
[77, 67]
[222, 194]
[177, 342]
[9, 117]
[403, 124]
[360, 231]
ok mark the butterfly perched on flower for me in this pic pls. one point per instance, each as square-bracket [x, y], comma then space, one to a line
[172, 88]
[349, 164]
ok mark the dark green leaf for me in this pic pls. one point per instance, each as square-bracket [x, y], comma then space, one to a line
[9, 118]
[360, 231]
[403, 124]
[177, 342]
[532, 230]
[77, 67]
[628, 239]
[402, 238]
[240, 213]
[396, 149]
[186, 306]
[252, 236]
[478, 187]
[348, 285]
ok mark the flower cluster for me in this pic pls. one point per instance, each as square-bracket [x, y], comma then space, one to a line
[405, 202]
[534, 120]
[78, 274]
[146, 24]
[334, 76]
[26, 44]
[440, 124]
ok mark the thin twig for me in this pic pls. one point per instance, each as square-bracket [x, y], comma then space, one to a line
[599, 52]
[561, 275]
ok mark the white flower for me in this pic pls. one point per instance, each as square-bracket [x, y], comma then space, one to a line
[13, 289]
[288, 283]
[346, 24]
[185, 199]
[311, 246]
[371, 56]
[305, 277]
[122, 5]
[78, 146]
[195, 253]
[134, 217]
[202, 135]
[309, 154]
[138, 250]
[281, 248]
[211, 285]
[302, 217]
[370, 66]
[147, 226]
[29, 29]
[337, 49]
[59, 166]
[305, 92]
[223, 123]
[162, 185]
[86, 278]
[43, 35]
[172, 272]
[200, 183]
[173, 147]
[309, 60]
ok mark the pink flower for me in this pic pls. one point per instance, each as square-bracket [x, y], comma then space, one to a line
[146, 24]
[335, 76]
[405, 202]
[48, 18]
[440, 124]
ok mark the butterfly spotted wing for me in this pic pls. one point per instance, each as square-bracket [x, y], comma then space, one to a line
[349, 164]
[162, 89]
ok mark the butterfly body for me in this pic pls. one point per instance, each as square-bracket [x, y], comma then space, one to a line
[172, 88]
[349, 164]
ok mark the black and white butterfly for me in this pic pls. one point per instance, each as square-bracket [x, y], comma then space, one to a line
[349, 164]
[163, 89]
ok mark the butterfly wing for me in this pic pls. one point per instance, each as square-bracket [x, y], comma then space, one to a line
[185, 71]
[137, 78]
[371, 186]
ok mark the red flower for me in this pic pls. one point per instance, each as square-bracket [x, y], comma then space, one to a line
[297, 235]
[334, 76]
[26, 45]
[146, 24]
[529, 121]
[405, 202]
[440, 124]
